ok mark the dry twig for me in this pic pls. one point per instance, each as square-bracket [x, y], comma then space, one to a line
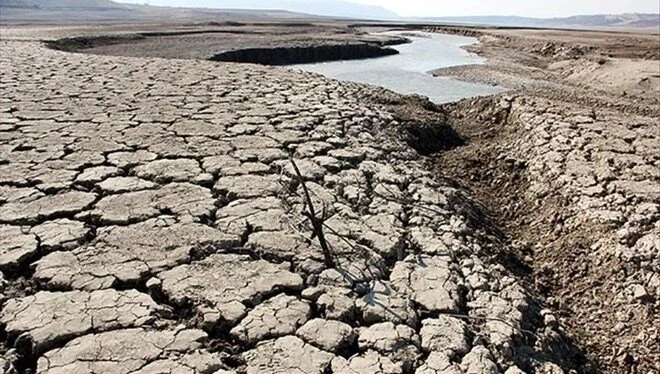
[317, 222]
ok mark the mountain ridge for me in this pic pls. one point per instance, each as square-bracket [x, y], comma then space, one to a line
[632, 20]
[331, 8]
[107, 10]
[45, 4]
[324, 8]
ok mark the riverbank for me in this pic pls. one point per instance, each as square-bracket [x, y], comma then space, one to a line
[617, 71]
[568, 163]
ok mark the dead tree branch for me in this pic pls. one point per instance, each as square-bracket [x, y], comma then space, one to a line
[317, 222]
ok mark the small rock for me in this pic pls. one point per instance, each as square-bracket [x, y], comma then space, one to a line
[638, 292]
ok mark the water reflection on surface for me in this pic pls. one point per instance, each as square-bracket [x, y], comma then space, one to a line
[406, 72]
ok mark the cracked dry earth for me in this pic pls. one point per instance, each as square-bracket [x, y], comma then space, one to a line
[150, 222]
[578, 190]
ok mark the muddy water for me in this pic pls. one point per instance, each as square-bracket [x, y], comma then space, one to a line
[406, 72]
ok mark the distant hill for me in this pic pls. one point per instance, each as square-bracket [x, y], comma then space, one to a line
[106, 10]
[331, 8]
[631, 20]
[50, 4]
[63, 11]
[619, 20]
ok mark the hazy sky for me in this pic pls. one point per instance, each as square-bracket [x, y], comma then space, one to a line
[530, 8]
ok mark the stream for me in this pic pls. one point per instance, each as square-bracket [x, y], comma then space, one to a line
[406, 73]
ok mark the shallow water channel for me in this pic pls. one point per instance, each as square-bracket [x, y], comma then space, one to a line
[407, 72]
